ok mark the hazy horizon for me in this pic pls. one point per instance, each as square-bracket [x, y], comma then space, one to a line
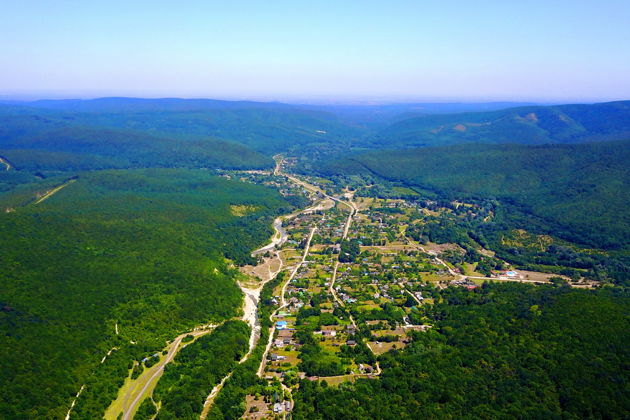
[398, 51]
[300, 100]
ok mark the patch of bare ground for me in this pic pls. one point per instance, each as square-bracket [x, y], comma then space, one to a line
[256, 408]
[265, 270]
[439, 248]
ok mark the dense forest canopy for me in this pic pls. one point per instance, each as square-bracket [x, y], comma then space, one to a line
[580, 192]
[141, 249]
[271, 128]
[527, 125]
[262, 127]
[502, 351]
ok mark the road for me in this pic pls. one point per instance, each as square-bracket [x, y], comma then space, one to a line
[279, 237]
[6, 163]
[136, 391]
[252, 296]
[283, 302]
[54, 191]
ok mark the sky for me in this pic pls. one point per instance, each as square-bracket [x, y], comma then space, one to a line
[318, 50]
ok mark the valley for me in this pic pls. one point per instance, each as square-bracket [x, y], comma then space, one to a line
[193, 278]
[328, 289]
[312, 210]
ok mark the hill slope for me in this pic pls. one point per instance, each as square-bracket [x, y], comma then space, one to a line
[527, 125]
[133, 149]
[266, 127]
[581, 190]
[125, 259]
[25, 129]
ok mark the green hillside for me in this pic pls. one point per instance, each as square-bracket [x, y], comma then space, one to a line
[527, 125]
[581, 192]
[115, 148]
[268, 128]
[143, 249]
[271, 128]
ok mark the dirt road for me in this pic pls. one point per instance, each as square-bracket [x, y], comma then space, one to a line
[134, 392]
[261, 368]
[54, 191]
[6, 163]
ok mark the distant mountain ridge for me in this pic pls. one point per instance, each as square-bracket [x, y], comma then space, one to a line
[526, 125]
[245, 134]
[269, 128]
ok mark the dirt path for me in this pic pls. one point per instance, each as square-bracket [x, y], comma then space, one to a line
[74, 401]
[133, 393]
[250, 307]
[76, 397]
[279, 237]
[54, 191]
[6, 163]
[413, 296]
[261, 368]
[109, 353]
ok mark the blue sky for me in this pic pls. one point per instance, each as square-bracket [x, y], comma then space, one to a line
[339, 50]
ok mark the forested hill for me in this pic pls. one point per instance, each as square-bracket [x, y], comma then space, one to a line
[271, 128]
[580, 192]
[268, 128]
[119, 260]
[527, 125]
[125, 148]
[44, 140]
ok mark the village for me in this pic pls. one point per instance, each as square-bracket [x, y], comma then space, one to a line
[358, 285]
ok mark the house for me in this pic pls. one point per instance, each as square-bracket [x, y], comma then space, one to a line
[278, 408]
[351, 343]
[276, 357]
[366, 368]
